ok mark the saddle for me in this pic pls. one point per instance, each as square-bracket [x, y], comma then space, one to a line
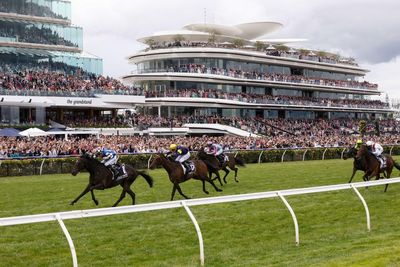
[189, 168]
[118, 171]
[382, 160]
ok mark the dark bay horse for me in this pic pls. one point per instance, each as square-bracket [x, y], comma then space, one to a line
[102, 178]
[214, 165]
[176, 175]
[373, 164]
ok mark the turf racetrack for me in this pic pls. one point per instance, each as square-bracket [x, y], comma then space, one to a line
[252, 233]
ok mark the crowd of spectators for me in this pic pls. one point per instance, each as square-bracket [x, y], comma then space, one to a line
[28, 8]
[31, 33]
[53, 83]
[274, 77]
[270, 50]
[273, 133]
[268, 99]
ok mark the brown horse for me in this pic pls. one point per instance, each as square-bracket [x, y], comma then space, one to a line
[373, 165]
[101, 178]
[176, 175]
[214, 165]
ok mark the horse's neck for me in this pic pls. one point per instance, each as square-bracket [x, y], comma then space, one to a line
[93, 166]
[168, 165]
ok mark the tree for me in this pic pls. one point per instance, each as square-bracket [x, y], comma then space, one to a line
[281, 47]
[238, 43]
[211, 37]
[260, 46]
[178, 38]
[150, 42]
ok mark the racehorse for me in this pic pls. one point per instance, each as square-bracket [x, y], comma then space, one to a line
[101, 178]
[214, 165]
[373, 165]
[177, 176]
[357, 165]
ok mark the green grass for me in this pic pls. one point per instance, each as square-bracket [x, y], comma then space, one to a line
[251, 233]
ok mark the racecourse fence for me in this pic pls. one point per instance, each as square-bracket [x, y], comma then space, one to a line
[21, 166]
[186, 204]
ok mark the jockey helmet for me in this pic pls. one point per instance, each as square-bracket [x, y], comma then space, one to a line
[173, 147]
[359, 142]
[369, 143]
[209, 143]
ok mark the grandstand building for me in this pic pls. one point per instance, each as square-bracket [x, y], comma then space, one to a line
[39, 36]
[209, 69]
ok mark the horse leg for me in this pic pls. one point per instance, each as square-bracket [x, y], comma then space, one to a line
[387, 176]
[236, 170]
[180, 191]
[226, 173]
[218, 177]
[121, 197]
[132, 194]
[205, 178]
[93, 198]
[354, 172]
[204, 187]
[87, 189]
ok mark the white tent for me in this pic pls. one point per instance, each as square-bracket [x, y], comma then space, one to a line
[33, 132]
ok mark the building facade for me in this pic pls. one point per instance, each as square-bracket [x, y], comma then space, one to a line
[207, 69]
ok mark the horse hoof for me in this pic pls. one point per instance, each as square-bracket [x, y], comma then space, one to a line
[72, 203]
[219, 190]
[206, 192]
[97, 203]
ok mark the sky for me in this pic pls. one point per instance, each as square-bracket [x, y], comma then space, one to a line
[364, 29]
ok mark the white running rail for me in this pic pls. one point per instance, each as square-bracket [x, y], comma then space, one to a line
[60, 216]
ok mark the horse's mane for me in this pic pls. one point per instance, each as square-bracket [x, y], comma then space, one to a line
[91, 159]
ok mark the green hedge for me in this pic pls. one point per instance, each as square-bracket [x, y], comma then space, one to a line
[65, 165]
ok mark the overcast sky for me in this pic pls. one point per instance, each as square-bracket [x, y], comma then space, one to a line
[365, 29]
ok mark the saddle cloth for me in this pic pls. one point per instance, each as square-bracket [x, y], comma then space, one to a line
[191, 167]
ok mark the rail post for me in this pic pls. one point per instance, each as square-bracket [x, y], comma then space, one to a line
[304, 154]
[323, 154]
[365, 206]
[283, 155]
[259, 157]
[390, 153]
[149, 161]
[237, 152]
[69, 239]
[296, 225]
[199, 235]
[41, 166]
[341, 157]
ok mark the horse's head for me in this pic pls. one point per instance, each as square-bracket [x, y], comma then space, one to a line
[80, 164]
[157, 161]
[362, 152]
[350, 152]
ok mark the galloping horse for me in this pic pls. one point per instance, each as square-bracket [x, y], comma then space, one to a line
[373, 166]
[102, 178]
[214, 165]
[176, 175]
[357, 165]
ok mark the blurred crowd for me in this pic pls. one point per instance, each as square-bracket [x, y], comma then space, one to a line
[275, 133]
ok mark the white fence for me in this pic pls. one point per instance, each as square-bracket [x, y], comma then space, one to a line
[60, 216]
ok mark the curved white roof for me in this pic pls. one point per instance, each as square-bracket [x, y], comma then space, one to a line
[223, 33]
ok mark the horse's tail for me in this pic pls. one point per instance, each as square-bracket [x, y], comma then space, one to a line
[239, 161]
[397, 165]
[148, 178]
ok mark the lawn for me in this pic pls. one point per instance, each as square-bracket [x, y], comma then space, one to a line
[250, 233]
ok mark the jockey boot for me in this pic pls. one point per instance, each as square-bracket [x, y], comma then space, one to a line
[221, 160]
[114, 171]
[186, 168]
[121, 172]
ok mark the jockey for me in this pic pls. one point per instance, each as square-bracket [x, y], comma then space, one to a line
[180, 154]
[110, 159]
[358, 144]
[217, 151]
[377, 150]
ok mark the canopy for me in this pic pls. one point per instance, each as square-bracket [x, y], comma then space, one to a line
[9, 132]
[33, 132]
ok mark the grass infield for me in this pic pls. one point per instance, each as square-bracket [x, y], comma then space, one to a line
[251, 233]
